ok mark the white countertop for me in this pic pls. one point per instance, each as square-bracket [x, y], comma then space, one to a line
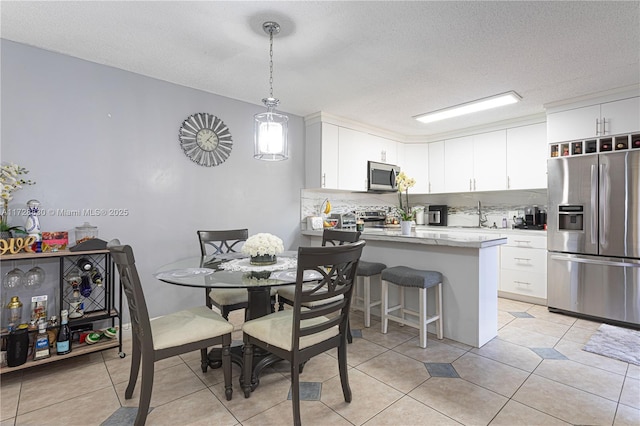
[488, 231]
[436, 235]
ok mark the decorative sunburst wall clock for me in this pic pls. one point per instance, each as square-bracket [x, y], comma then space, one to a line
[205, 139]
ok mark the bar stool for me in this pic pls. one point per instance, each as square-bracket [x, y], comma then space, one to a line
[366, 270]
[404, 277]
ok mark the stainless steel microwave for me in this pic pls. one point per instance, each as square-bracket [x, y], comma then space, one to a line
[381, 176]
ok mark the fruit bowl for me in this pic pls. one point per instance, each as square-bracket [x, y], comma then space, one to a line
[330, 223]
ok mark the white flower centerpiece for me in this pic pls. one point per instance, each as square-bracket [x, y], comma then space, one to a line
[263, 248]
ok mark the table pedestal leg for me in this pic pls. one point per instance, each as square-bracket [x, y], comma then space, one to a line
[259, 305]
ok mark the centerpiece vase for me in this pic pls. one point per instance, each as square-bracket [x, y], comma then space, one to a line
[405, 227]
[263, 259]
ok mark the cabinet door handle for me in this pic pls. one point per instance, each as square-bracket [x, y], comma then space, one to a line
[522, 258]
[521, 282]
[597, 126]
[470, 185]
[324, 180]
[429, 187]
[604, 126]
[474, 184]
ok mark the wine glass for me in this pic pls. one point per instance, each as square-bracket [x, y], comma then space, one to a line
[13, 278]
[34, 277]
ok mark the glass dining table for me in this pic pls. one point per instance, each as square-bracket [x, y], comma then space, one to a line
[234, 270]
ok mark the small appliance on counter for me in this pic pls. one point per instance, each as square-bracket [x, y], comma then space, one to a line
[419, 212]
[345, 220]
[373, 218]
[438, 215]
[534, 219]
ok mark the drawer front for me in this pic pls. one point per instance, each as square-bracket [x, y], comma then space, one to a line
[525, 283]
[523, 259]
[527, 241]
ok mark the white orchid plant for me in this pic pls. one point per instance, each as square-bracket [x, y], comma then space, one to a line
[11, 179]
[404, 182]
[263, 244]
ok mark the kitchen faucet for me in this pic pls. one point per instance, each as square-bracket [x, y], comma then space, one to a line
[481, 221]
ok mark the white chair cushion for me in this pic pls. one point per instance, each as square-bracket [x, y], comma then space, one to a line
[188, 326]
[289, 293]
[276, 329]
[231, 296]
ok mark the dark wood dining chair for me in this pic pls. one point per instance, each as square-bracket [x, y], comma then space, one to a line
[226, 241]
[166, 336]
[219, 242]
[225, 299]
[331, 237]
[298, 334]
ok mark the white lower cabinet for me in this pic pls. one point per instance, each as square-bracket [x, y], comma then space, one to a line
[523, 268]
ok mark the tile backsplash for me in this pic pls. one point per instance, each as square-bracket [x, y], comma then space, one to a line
[462, 207]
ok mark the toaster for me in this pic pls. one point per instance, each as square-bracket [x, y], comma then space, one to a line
[345, 220]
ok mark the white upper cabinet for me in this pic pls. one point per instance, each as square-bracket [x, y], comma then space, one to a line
[356, 148]
[490, 161]
[336, 158]
[527, 157]
[476, 163]
[383, 150]
[458, 164]
[329, 156]
[352, 161]
[321, 143]
[416, 165]
[436, 167]
[621, 116]
[610, 118]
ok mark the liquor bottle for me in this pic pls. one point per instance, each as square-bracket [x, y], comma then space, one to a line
[85, 264]
[63, 344]
[76, 307]
[41, 347]
[96, 277]
[85, 286]
[52, 328]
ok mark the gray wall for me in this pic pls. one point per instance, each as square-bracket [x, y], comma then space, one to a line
[96, 137]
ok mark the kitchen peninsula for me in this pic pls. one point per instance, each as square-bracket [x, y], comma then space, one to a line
[468, 261]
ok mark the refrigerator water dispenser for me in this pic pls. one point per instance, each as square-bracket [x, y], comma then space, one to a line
[570, 218]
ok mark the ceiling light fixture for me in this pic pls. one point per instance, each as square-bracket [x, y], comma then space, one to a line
[470, 107]
[271, 128]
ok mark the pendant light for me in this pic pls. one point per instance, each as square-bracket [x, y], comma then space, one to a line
[271, 128]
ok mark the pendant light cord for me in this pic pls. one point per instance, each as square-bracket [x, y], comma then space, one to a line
[271, 63]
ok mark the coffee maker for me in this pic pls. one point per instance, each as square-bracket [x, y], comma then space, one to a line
[534, 218]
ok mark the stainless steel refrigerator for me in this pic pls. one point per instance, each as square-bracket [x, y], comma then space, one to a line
[593, 236]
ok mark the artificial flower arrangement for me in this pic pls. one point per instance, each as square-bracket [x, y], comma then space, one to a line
[11, 180]
[263, 248]
[404, 183]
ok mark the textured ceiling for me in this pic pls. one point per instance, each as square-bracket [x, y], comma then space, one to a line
[378, 63]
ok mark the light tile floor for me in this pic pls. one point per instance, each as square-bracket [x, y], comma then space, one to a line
[534, 373]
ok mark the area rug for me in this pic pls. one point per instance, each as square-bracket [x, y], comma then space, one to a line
[616, 342]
